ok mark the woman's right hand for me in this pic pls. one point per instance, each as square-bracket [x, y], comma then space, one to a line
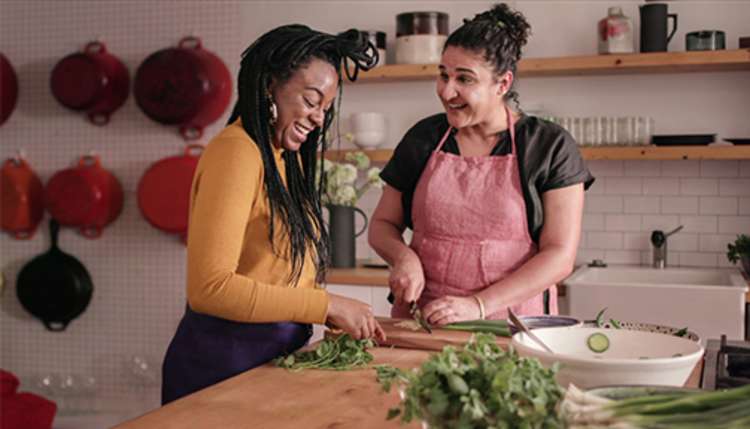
[353, 317]
[407, 279]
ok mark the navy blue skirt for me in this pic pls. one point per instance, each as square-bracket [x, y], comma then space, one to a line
[206, 350]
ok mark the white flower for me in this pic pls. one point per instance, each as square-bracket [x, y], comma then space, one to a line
[345, 196]
[359, 159]
[348, 174]
[373, 174]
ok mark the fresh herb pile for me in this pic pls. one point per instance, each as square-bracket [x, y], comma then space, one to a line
[729, 409]
[479, 386]
[340, 354]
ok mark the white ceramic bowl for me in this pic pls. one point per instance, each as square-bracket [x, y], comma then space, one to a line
[368, 139]
[633, 357]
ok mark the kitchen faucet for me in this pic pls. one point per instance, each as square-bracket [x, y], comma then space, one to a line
[659, 243]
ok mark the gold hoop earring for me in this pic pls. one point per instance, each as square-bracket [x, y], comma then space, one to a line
[273, 111]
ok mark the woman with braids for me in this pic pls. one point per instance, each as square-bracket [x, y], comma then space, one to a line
[494, 197]
[257, 245]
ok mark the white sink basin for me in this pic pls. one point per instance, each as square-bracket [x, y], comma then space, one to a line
[708, 301]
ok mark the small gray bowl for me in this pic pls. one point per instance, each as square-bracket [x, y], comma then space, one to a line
[536, 322]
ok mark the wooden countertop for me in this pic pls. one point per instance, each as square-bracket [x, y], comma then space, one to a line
[270, 397]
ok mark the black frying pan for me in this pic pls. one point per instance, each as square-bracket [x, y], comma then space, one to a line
[55, 287]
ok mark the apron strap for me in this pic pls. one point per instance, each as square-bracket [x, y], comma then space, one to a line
[511, 128]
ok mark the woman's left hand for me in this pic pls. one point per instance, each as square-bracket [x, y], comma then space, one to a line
[451, 309]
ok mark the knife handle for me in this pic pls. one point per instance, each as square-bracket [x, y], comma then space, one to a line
[391, 298]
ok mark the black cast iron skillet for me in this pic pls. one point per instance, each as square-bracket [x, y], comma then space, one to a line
[54, 286]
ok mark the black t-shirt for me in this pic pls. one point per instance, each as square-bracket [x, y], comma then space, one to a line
[548, 157]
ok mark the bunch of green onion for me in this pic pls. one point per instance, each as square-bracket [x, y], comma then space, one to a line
[729, 409]
[499, 328]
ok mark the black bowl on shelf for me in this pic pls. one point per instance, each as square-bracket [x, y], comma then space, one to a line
[738, 140]
[682, 139]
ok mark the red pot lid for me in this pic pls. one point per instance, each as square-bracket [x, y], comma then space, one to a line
[77, 81]
[164, 191]
[69, 198]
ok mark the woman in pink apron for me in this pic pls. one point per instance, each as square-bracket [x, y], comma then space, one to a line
[494, 198]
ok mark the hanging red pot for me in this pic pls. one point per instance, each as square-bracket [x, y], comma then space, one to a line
[164, 191]
[8, 89]
[93, 81]
[186, 86]
[86, 196]
[22, 198]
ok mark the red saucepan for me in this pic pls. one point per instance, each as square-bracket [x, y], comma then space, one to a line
[55, 287]
[86, 196]
[8, 89]
[186, 86]
[164, 191]
[93, 81]
[22, 198]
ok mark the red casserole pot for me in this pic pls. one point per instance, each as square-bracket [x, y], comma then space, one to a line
[186, 86]
[93, 81]
[86, 196]
[164, 191]
[22, 198]
[8, 89]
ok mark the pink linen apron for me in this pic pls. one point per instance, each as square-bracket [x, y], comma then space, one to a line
[470, 226]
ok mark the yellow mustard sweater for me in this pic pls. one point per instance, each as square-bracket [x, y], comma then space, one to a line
[233, 272]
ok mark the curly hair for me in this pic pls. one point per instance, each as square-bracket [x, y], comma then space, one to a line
[498, 34]
[276, 56]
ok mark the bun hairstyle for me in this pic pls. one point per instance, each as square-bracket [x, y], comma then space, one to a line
[276, 56]
[498, 34]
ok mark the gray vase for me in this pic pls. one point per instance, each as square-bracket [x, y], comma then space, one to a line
[343, 235]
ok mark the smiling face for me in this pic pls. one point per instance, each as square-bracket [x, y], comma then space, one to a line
[470, 90]
[302, 102]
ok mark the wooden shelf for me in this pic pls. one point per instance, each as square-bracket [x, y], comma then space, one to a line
[656, 62]
[612, 153]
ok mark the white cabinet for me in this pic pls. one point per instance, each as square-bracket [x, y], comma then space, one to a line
[375, 296]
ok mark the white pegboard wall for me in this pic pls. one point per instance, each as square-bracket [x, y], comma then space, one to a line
[138, 272]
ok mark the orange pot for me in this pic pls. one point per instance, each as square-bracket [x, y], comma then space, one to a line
[22, 198]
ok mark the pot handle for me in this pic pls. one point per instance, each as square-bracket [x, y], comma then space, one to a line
[89, 161]
[24, 235]
[190, 42]
[364, 216]
[91, 232]
[194, 150]
[95, 47]
[55, 326]
[99, 118]
[190, 132]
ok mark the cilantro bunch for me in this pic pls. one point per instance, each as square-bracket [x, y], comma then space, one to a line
[341, 353]
[480, 386]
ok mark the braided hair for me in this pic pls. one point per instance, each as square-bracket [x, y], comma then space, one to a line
[498, 34]
[276, 56]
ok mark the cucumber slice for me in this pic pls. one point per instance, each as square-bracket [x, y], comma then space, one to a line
[598, 342]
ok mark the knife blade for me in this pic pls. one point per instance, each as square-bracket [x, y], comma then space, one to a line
[416, 313]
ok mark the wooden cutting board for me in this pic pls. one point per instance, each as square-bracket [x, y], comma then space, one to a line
[421, 340]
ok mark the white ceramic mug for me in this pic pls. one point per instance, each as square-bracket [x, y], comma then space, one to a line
[368, 129]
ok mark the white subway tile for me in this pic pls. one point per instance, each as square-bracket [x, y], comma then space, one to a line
[680, 168]
[593, 222]
[698, 224]
[662, 222]
[642, 205]
[623, 222]
[622, 257]
[715, 242]
[646, 257]
[636, 241]
[698, 259]
[725, 263]
[734, 224]
[744, 206]
[738, 187]
[624, 186]
[605, 168]
[603, 204]
[718, 205]
[597, 188]
[679, 205]
[699, 186]
[683, 242]
[643, 168]
[720, 168]
[744, 168]
[661, 186]
[604, 240]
